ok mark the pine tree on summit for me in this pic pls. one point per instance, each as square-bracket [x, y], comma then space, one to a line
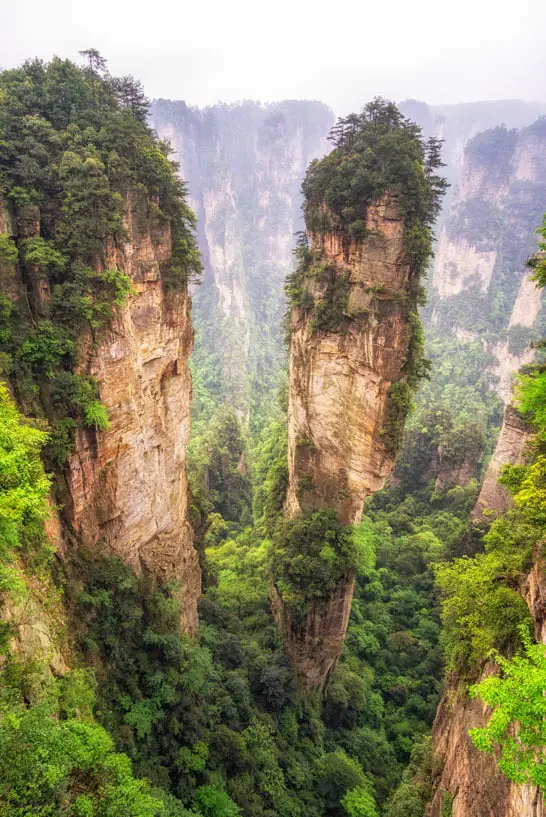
[96, 66]
[130, 94]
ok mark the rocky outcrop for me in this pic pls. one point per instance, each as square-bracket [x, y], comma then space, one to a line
[315, 646]
[244, 165]
[469, 783]
[493, 498]
[461, 475]
[127, 487]
[339, 451]
[124, 490]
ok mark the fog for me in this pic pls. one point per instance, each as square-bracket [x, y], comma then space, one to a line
[340, 53]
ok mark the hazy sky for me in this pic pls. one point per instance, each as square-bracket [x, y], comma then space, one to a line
[341, 52]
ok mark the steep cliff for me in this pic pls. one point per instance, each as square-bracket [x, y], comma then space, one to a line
[355, 349]
[98, 249]
[123, 489]
[469, 782]
[244, 165]
[511, 445]
[481, 288]
[338, 450]
[126, 486]
[456, 125]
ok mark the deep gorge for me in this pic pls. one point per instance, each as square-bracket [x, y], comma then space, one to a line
[281, 611]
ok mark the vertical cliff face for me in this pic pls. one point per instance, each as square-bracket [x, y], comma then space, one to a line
[470, 780]
[127, 486]
[244, 165]
[355, 355]
[123, 490]
[493, 498]
[470, 783]
[338, 448]
[481, 287]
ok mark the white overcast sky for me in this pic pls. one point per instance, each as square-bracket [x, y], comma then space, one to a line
[342, 53]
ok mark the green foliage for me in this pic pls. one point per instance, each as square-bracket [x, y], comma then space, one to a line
[340, 774]
[96, 415]
[212, 802]
[375, 152]
[271, 471]
[54, 758]
[359, 803]
[400, 403]
[217, 465]
[311, 554]
[493, 148]
[23, 493]
[516, 731]
[482, 607]
[414, 792]
[195, 715]
[43, 255]
[531, 398]
[8, 250]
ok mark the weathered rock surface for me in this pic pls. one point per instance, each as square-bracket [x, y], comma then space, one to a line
[493, 498]
[338, 452]
[451, 477]
[469, 783]
[127, 487]
[484, 244]
[315, 647]
[457, 262]
[124, 490]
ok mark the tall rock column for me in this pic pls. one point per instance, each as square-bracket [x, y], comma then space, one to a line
[126, 488]
[355, 353]
[123, 490]
[339, 448]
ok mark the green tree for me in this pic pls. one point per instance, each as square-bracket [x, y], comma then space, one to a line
[53, 761]
[23, 492]
[516, 730]
[212, 802]
[359, 803]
